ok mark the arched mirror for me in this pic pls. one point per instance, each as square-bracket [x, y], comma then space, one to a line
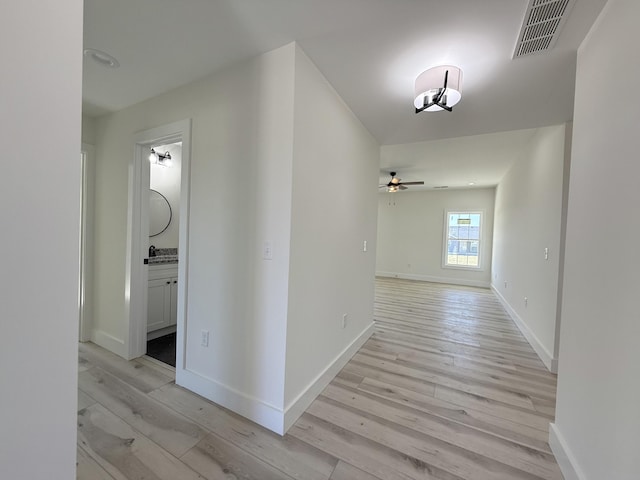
[159, 213]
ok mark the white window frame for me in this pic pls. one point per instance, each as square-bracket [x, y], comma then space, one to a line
[445, 239]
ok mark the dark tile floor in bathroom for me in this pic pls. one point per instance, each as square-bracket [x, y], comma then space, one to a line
[163, 349]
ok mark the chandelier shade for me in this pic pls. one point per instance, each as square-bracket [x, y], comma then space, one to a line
[439, 88]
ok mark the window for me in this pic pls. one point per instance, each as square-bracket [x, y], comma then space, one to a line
[463, 234]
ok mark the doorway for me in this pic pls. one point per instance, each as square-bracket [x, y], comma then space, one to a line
[141, 299]
[165, 163]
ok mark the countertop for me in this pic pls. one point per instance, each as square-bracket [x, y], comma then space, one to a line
[163, 259]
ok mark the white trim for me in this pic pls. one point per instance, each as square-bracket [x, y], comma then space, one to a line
[269, 416]
[161, 332]
[86, 242]
[565, 458]
[135, 296]
[547, 358]
[170, 371]
[137, 214]
[298, 405]
[429, 278]
[263, 413]
[183, 244]
[109, 342]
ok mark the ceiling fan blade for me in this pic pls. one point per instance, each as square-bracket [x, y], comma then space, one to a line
[412, 183]
[402, 187]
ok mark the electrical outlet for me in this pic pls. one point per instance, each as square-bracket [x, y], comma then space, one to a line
[344, 321]
[364, 246]
[546, 253]
[526, 301]
[505, 284]
[204, 338]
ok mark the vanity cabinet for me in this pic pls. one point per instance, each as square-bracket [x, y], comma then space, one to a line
[162, 298]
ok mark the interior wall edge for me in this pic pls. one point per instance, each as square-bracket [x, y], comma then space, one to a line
[549, 360]
[256, 410]
[297, 406]
[109, 342]
[565, 458]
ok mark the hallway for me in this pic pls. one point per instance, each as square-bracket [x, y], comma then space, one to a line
[446, 388]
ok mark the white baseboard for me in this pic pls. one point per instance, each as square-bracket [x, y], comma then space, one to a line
[109, 342]
[547, 358]
[565, 458]
[297, 406]
[161, 332]
[256, 410]
[269, 416]
[429, 278]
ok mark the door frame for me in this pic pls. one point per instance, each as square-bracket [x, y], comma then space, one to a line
[85, 293]
[137, 272]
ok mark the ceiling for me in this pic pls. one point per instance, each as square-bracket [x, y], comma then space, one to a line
[370, 51]
[464, 162]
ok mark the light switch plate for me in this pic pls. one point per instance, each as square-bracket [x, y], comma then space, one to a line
[267, 251]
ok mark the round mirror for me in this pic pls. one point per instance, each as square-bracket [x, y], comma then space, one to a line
[159, 213]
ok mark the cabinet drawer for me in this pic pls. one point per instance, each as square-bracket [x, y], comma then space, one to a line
[157, 272]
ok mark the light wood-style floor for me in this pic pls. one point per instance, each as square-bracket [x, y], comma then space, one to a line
[447, 388]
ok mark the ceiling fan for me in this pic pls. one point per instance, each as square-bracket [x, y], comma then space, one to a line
[395, 184]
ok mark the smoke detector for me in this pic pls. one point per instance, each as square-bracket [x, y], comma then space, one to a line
[101, 58]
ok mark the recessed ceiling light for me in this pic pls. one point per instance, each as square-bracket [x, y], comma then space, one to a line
[101, 58]
[471, 183]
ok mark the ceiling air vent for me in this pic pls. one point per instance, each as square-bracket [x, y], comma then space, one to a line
[542, 24]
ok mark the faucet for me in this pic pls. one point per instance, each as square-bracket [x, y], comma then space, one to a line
[152, 250]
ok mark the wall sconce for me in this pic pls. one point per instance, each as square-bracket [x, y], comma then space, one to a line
[163, 159]
[438, 88]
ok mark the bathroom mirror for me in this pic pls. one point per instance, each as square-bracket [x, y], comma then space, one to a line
[159, 213]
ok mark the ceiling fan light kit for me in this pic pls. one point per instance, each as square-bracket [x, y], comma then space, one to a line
[439, 88]
[396, 184]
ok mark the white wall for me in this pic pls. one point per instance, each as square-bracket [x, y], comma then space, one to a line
[166, 180]
[242, 126]
[88, 130]
[597, 429]
[528, 219]
[241, 197]
[335, 175]
[40, 194]
[411, 234]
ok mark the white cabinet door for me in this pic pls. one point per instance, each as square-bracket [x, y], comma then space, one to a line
[159, 304]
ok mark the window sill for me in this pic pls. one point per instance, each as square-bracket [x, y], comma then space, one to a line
[463, 267]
